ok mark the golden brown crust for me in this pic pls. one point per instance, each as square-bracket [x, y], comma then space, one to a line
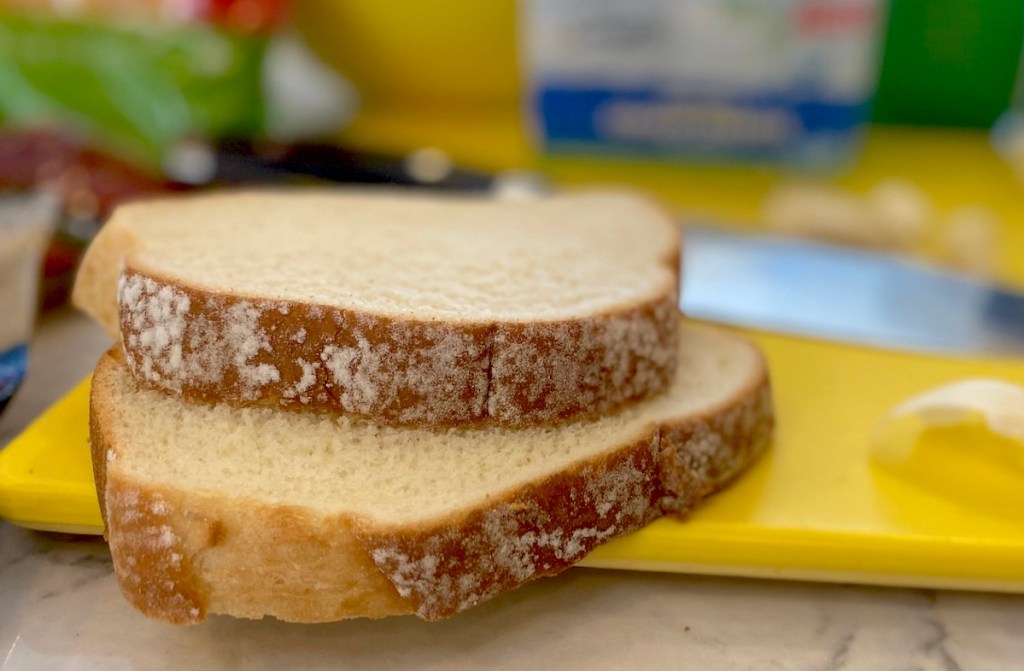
[213, 347]
[539, 530]
[700, 456]
[154, 569]
[249, 558]
[96, 281]
[543, 529]
[261, 559]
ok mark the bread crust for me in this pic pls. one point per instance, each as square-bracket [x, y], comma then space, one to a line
[213, 347]
[251, 559]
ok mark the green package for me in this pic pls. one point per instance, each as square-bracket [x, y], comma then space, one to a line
[132, 88]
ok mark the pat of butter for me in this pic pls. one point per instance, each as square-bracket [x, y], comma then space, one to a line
[964, 442]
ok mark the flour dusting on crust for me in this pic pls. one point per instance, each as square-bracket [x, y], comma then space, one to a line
[171, 343]
[152, 570]
[216, 347]
[542, 532]
[700, 456]
[155, 315]
[566, 368]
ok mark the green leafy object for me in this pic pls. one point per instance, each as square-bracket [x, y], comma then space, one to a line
[135, 88]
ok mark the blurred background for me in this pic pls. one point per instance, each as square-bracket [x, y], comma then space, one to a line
[855, 122]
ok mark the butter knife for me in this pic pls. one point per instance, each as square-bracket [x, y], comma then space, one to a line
[845, 295]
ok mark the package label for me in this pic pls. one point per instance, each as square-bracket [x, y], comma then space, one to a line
[743, 79]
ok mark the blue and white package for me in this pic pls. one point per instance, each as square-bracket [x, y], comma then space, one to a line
[763, 80]
[13, 365]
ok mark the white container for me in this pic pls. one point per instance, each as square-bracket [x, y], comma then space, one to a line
[26, 223]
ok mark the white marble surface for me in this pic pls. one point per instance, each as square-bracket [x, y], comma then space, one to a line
[60, 609]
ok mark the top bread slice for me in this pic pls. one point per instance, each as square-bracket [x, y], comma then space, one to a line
[409, 309]
[312, 517]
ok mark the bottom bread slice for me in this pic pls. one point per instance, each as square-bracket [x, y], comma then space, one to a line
[311, 517]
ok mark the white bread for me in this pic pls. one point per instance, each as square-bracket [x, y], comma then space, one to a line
[409, 309]
[312, 517]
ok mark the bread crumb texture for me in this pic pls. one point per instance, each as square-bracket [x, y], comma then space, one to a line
[394, 253]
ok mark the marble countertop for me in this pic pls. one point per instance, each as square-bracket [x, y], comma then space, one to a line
[60, 608]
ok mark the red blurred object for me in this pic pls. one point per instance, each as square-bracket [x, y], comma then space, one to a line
[247, 16]
[58, 273]
[89, 185]
[243, 16]
[835, 17]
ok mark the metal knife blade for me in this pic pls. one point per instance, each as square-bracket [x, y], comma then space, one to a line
[852, 296]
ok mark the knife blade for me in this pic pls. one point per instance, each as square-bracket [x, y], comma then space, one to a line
[822, 291]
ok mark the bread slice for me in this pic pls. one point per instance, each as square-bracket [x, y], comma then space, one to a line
[409, 309]
[310, 517]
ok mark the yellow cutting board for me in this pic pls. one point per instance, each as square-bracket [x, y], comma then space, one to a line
[814, 507]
